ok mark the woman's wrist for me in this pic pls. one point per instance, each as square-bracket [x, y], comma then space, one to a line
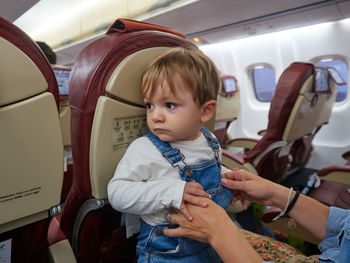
[222, 238]
[216, 236]
[232, 246]
[279, 198]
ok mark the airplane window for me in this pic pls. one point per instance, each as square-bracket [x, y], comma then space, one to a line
[264, 83]
[342, 67]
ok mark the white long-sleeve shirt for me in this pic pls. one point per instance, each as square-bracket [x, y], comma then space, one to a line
[145, 183]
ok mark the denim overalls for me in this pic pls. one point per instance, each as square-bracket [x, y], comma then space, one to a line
[152, 245]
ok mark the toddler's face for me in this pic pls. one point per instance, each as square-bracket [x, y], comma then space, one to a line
[170, 117]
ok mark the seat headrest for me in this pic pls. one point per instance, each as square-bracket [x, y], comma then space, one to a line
[24, 69]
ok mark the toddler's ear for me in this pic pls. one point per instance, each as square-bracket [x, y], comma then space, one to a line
[208, 110]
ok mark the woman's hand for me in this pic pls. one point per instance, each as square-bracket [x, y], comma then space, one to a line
[250, 187]
[306, 211]
[213, 225]
[202, 225]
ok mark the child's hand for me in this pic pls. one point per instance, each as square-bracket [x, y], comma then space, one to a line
[191, 191]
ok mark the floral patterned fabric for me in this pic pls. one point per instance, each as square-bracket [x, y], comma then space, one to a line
[272, 250]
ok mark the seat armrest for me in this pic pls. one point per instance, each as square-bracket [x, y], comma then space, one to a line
[236, 160]
[336, 173]
[247, 143]
[236, 157]
[262, 132]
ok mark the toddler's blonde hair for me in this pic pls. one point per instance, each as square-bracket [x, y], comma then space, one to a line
[195, 68]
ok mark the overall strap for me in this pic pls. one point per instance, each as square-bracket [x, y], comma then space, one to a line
[212, 141]
[173, 155]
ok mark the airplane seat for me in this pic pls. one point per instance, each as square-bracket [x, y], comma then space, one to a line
[31, 155]
[334, 189]
[228, 104]
[107, 113]
[62, 74]
[302, 103]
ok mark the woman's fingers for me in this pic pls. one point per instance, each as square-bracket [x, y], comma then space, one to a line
[186, 232]
[185, 212]
[231, 184]
[239, 198]
[239, 175]
[175, 218]
[174, 232]
[244, 205]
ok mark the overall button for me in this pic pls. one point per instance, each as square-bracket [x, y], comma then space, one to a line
[188, 173]
[158, 232]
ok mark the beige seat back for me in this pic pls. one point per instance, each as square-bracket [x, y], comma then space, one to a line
[62, 75]
[314, 104]
[227, 109]
[31, 152]
[120, 118]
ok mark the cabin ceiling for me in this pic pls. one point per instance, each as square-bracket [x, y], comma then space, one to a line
[11, 10]
[211, 21]
[221, 20]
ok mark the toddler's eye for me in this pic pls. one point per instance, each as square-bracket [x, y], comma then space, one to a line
[170, 105]
[149, 106]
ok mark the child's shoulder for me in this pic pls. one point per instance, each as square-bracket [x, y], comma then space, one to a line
[141, 146]
[141, 149]
[140, 142]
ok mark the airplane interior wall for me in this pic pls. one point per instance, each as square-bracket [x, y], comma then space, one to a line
[279, 50]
